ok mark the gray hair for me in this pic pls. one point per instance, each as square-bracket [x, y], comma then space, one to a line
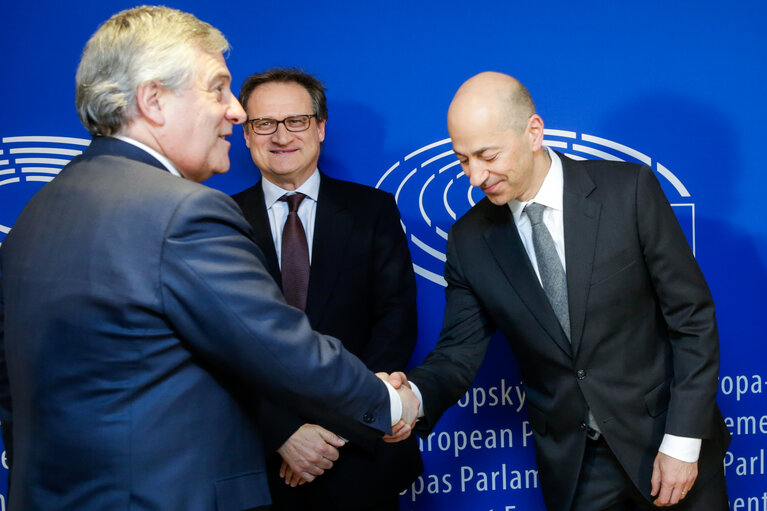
[136, 46]
[519, 107]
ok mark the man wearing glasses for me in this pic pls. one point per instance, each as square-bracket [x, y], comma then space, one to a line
[339, 252]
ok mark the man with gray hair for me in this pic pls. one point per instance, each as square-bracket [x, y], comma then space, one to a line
[139, 327]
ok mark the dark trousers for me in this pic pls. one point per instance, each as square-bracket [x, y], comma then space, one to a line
[316, 497]
[314, 501]
[604, 486]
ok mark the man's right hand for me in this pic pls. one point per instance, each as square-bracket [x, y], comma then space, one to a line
[410, 407]
[398, 379]
[308, 453]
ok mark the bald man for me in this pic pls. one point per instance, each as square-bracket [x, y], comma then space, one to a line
[583, 267]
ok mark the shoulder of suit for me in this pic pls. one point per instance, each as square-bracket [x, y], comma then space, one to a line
[481, 209]
[606, 167]
[138, 176]
[248, 193]
[138, 183]
[472, 222]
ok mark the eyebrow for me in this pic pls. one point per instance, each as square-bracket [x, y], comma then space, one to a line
[479, 151]
[221, 75]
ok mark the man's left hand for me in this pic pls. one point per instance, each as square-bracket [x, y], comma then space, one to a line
[309, 452]
[291, 478]
[672, 479]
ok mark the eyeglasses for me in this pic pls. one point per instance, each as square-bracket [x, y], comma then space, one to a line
[294, 123]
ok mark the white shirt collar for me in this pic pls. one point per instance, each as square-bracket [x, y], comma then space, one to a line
[551, 191]
[162, 159]
[310, 188]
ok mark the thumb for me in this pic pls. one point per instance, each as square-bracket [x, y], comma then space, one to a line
[397, 379]
[332, 438]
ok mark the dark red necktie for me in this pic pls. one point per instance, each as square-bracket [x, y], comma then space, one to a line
[295, 255]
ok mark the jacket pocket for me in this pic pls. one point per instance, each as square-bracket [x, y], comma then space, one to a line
[657, 399]
[615, 264]
[537, 419]
[243, 491]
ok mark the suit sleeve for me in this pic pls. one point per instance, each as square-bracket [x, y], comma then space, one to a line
[219, 297]
[448, 371]
[687, 308]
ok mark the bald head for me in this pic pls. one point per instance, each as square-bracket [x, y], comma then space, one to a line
[495, 98]
[498, 137]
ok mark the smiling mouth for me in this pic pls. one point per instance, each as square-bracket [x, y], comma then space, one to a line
[283, 151]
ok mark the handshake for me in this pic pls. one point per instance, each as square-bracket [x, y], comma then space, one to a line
[312, 449]
[410, 406]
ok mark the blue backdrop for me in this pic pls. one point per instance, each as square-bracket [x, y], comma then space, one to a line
[678, 85]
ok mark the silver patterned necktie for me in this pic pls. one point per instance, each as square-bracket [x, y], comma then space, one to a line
[549, 266]
[554, 281]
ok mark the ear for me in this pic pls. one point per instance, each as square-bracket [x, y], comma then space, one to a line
[535, 131]
[321, 130]
[148, 99]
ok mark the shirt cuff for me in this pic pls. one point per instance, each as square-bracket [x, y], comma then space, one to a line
[395, 403]
[417, 393]
[681, 447]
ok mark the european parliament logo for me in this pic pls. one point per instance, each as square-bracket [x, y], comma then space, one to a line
[26, 164]
[432, 192]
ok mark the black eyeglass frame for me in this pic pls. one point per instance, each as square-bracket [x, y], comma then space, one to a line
[250, 123]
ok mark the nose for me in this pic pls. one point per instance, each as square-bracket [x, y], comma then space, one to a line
[282, 136]
[234, 111]
[476, 174]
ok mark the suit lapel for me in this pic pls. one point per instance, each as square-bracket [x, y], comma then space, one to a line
[332, 228]
[581, 221]
[255, 214]
[506, 246]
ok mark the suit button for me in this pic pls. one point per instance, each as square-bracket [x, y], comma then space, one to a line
[368, 418]
[581, 374]
[584, 426]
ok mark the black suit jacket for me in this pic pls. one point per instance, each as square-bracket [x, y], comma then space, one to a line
[644, 355]
[361, 290]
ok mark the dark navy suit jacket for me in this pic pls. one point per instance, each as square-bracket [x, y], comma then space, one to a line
[139, 330]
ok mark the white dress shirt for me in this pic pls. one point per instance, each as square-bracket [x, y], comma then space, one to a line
[550, 195]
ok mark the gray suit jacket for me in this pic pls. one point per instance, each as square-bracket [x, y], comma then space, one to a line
[139, 330]
[644, 355]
